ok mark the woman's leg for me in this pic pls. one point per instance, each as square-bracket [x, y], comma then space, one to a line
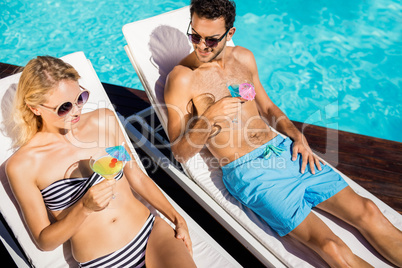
[314, 233]
[164, 249]
[365, 216]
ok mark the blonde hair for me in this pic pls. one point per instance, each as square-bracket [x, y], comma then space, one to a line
[38, 78]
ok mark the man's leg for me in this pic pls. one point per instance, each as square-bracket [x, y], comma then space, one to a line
[365, 216]
[314, 233]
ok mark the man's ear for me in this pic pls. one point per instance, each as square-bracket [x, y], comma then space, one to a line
[231, 33]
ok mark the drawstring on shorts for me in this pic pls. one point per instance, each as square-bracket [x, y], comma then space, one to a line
[269, 149]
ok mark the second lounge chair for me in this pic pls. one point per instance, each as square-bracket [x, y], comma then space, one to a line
[155, 46]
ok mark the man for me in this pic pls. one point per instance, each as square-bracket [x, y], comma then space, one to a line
[280, 179]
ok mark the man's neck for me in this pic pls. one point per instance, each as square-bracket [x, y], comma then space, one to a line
[219, 60]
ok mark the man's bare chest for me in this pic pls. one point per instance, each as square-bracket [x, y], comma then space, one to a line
[216, 81]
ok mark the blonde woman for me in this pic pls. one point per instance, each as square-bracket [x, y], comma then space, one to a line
[50, 172]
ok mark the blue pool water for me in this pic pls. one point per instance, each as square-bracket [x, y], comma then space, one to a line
[330, 63]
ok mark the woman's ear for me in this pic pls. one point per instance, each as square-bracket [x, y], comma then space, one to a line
[34, 110]
[231, 33]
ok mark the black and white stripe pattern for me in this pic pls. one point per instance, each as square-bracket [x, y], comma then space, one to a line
[66, 192]
[131, 255]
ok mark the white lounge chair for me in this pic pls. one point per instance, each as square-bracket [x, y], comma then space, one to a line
[207, 253]
[155, 46]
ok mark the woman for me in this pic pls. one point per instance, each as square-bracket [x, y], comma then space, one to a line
[50, 171]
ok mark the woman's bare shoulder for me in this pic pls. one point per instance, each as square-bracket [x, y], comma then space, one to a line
[99, 124]
[98, 113]
[23, 163]
[97, 118]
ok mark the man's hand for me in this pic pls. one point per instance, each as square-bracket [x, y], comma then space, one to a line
[224, 110]
[301, 146]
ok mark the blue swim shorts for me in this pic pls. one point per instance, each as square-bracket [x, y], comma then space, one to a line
[274, 187]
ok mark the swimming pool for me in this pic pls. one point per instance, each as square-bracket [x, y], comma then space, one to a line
[331, 63]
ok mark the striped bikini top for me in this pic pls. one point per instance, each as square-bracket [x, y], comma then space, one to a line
[64, 193]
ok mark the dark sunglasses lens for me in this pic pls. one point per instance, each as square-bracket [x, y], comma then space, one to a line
[83, 98]
[211, 42]
[64, 109]
[194, 38]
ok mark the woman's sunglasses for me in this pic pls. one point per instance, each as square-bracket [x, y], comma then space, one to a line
[209, 41]
[63, 109]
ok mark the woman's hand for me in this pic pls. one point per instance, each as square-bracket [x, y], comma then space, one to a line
[183, 234]
[301, 146]
[98, 196]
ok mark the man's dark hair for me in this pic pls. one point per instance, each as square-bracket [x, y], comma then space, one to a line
[214, 9]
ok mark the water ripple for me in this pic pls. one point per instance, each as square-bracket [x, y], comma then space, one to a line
[341, 59]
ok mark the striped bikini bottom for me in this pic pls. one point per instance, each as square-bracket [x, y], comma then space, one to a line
[131, 255]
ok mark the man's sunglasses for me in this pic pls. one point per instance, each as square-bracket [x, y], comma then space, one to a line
[209, 41]
[63, 109]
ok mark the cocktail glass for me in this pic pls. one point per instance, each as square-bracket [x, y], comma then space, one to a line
[244, 89]
[106, 165]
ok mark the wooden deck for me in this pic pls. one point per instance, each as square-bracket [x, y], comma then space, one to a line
[375, 164]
